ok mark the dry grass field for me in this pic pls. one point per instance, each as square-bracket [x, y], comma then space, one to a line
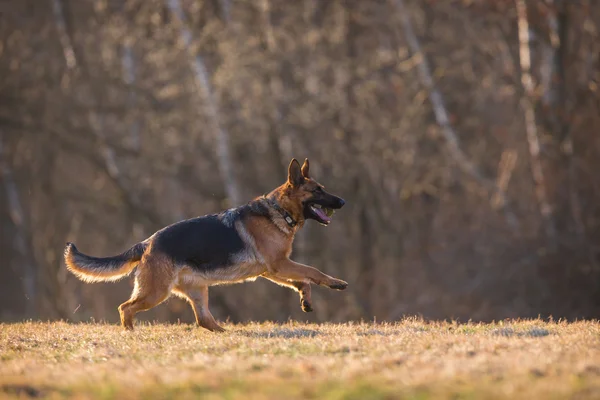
[409, 359]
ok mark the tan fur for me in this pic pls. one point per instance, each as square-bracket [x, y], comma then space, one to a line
[197, 296]
[154, 280]
[92, 276]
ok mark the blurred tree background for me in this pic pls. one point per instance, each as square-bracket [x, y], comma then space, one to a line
[464, 135]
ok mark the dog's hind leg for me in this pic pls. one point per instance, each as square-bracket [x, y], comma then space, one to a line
[152, 286]
[197, 296]
[303, 289]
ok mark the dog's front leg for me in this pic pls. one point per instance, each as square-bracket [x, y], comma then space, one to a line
[293, 271]
[303, 289]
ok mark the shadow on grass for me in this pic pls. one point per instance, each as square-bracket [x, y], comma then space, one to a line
[287, 333]
[392, 332]
[374, 332]
[22, 391]
[510, 332]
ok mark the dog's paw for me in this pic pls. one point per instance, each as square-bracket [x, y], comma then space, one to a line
[338, 285]
[306, 306]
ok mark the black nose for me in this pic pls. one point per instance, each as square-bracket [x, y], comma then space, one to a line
[341, 202]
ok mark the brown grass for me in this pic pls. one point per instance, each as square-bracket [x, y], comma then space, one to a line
[410, 359]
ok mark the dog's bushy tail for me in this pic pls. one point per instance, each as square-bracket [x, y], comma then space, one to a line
[105, 269]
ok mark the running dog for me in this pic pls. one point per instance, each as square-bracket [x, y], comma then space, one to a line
[239, 244]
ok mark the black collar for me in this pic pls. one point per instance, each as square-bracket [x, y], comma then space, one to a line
[286, 215]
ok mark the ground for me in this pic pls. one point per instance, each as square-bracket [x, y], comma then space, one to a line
[408, 359]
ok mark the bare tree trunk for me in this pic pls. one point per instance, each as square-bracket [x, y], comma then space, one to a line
[555, 99]
[204, 86]
[225, 10]
[530, 123]
[27, 268]
[551, 60]
[441, 116]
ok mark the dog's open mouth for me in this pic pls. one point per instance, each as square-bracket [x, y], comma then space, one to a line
[322, 214]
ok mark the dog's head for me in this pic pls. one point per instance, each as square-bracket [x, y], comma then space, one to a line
[307, 196]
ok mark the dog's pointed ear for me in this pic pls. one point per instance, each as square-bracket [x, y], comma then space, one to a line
[295, 177]
[305, 167]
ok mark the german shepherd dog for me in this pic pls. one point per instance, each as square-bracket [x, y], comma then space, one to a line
[239, 244]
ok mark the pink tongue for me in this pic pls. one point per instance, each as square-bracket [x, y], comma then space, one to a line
[322, 214]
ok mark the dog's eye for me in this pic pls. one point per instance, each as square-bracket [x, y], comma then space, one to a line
[318, 189]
